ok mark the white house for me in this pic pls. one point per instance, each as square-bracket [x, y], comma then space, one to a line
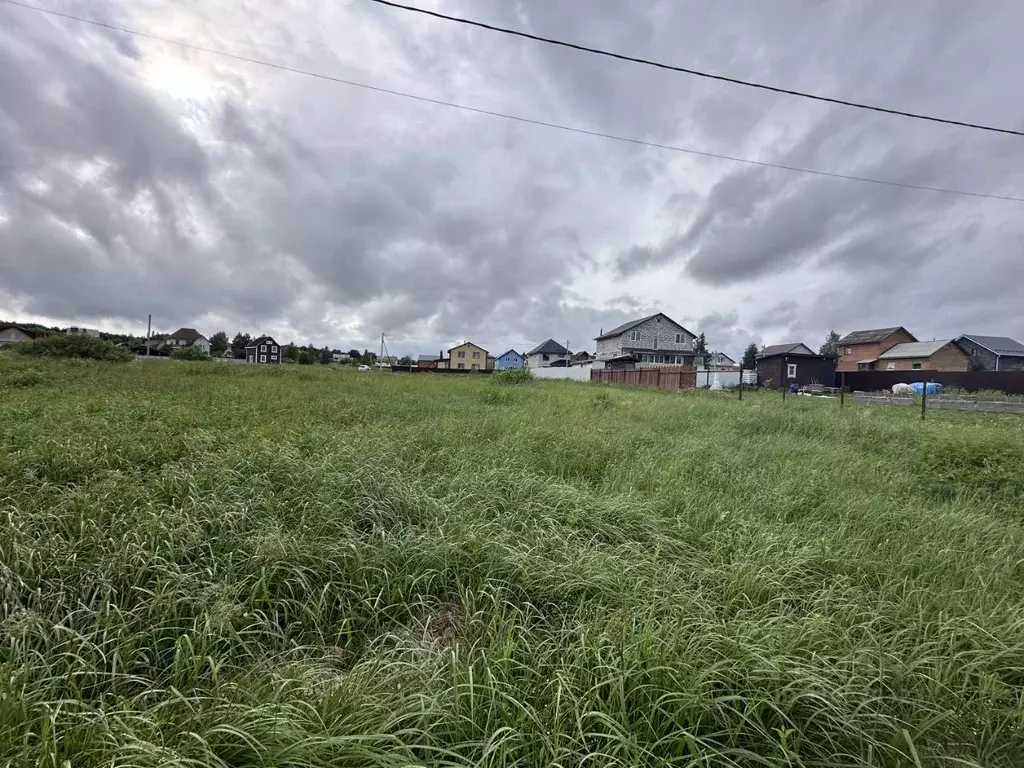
[188, 337]
[546, 354]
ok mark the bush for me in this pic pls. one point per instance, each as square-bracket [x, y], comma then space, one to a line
[513, 377]
[190, 353]
[86, 347]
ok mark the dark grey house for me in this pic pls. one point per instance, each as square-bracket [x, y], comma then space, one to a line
[780, 365]
[657, 340]
[547, 354]
[992, 353]
[263, 350]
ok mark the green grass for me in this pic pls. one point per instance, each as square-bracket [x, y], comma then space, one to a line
[207, 564]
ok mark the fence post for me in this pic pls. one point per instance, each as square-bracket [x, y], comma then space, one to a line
[741, 382]
[924, 397]
[842, 388]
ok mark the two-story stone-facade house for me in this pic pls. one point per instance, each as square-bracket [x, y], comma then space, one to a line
[466, 357]
[859, 351]
[655, 340]
[547, 354]
[263, 350]
[992, 353]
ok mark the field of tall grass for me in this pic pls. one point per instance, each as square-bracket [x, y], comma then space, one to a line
[216, 565]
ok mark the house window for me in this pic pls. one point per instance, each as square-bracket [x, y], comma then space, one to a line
[655, 342]
[263, 347]
[476, 367]
[890, 366]
[915, 366]
[273, 348]
[973, 352]
[461, 354]
[679, 338]
[849, 351]
[791, 370]
[461, 365]
[273, 358]
[476, 355]
[634, 335]
[252, 358]
[263, 358]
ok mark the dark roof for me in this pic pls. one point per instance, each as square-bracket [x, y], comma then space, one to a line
[470, 343]
[187, 334]
[634, 323]
[260, 340]
[722, 354]
[582, 355]
[509, 351]
[1001, 345]
[26, 331]
[549, 347]
[872, 336]
[785, 349]
[427, 358]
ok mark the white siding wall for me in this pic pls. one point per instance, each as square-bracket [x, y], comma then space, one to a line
[576, 373]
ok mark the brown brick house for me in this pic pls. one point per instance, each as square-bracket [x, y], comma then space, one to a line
[945, 355]
[859, 350]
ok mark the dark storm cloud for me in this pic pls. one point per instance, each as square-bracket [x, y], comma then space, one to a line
[289, 201]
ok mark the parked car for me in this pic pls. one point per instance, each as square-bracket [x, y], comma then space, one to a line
[364, 367]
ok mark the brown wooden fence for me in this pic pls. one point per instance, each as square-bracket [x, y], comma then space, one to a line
[664, 377]
[872, 381]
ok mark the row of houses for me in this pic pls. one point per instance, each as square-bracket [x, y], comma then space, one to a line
[888, 349]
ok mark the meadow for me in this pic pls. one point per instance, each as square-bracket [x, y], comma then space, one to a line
[215, 565]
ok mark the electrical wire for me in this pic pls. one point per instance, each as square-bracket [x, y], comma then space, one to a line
[508, 116]
[695, 72]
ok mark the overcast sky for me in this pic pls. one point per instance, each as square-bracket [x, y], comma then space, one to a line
[138, 177]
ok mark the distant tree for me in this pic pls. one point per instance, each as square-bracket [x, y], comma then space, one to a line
[324, 356]
[239, 343]
[354, 354]
[831, 346]
[700, 350]
[407, 360]
[750, 357]
[218, 343]
[305, 358]
[290, 353]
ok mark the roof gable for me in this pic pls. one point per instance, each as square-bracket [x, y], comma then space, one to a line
[261, 340]
[467, 344]
[1001, 345]
[792, 348]
[549, 347]
[873, 336]
[187, 334]
[634, 323]
[510, 352]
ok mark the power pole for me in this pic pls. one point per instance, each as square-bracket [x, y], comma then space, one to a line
[381, 356]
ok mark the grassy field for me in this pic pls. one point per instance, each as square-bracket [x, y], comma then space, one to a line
[206, 564]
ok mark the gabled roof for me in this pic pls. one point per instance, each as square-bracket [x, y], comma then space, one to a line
[914, 349]
[793, 348]
[510, 352]
[634, 323]
[723, 355]
[261, 340]
[26, 331]
[187, 334]
[1001, 345]
[549, 347]
[427, 358]
[873, 336]
[468, 343]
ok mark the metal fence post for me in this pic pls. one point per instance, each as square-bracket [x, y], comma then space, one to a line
[741, 383]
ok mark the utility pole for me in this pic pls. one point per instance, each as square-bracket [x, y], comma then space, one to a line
[381, 356]
[149, 331]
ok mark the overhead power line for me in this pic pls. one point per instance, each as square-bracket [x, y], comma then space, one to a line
[695, 72]
[506, 115]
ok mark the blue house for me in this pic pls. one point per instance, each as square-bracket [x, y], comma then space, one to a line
[508, 361]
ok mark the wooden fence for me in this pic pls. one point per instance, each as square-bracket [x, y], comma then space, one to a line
[874, 381]
[667, 377]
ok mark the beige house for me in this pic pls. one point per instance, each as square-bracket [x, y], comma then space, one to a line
[12, 334]
[466, 357]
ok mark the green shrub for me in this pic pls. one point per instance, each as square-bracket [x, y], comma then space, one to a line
[190, 353]
[60, 345]
[513, 377]
[27, 377]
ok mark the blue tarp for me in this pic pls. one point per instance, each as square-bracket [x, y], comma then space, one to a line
[933, 388]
